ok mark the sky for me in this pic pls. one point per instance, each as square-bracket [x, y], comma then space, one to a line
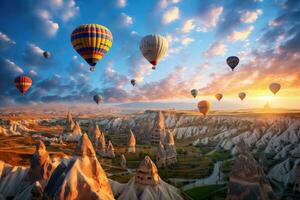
[265, 35]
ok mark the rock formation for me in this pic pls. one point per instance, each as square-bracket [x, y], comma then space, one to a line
[131, 143]
[123, 162]
[166, 153]
[94, 133]
[248, 181]
[296, 188]
[161, 155]
[10, 179]
[69, 123]
[82, 177]
[158, 132]
[74, 135]
[101, 145]
[110, 151]
[146, 185]
[41, 167]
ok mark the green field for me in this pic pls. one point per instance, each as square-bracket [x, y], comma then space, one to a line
[210, 192]
[188, 166]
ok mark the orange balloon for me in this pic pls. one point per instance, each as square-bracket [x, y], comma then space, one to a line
[204, 107]
[219, 96]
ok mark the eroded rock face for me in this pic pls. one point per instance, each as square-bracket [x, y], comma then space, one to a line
[146, 173]
[73, 135]
[248, 181]
[166, 152]
[123, 162]
[41, 166]
[131, 142]
[69, 123]
[82, 177]
[145, 185]
[110, 151]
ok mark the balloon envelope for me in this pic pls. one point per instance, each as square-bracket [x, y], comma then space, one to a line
[242, 95]
[232, 62]
[91, 41]
[23, 83]
[46, 54]
[204, 107]
[133, 82]
[274, 87]
[98, 98]
[219, 96]
[194, 92]
[154, 48]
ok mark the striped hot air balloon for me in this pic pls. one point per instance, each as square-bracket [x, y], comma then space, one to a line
[91, 41]
[154, 48]
[23, 83]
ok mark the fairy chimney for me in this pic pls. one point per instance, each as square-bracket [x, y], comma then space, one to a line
[146, 173]
[131, 143]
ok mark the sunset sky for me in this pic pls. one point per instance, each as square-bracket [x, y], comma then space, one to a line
[265, 35]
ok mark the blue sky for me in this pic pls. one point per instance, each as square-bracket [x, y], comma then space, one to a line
[201, 35]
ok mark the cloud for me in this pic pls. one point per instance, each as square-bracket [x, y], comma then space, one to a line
[33, 55]
[121, 3]
[113, 78]
[125, 20]
[9, 71]
[47, 26]
[210, 18]
[186, 41]
[188, 26]
[249, 17]
[231, 17]
[216, 49]
[240, 35]
[5, 41]
[70, 10]
[139, 67]
[170, 15]
[165, 3]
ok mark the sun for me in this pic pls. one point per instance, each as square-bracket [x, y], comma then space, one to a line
[266, 98]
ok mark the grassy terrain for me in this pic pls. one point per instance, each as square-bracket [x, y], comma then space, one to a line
[188, 166]
[220, 155]
[214, 192]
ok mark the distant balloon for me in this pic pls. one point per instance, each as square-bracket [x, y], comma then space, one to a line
[98, 98]
[92, 68]
[23, 83]
[154, 48]
[232, 62]
[91, 41]
[133, 82]
[204, 107]
[219, 96]
[242, 95]
[46, 54]
[274, 87]
[194, 92]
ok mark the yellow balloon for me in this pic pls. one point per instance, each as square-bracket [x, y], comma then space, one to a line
[91, 41]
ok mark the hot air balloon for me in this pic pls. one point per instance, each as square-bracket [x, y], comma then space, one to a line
[133, 82]
[98, 98]
[23, 83]
[242, 95]
[91, 41]
[92, 68]
[204, 107]
[274, 87]
[232, 61]
[154, 48]
[219, 96]
[194, 92]
[46, 54]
